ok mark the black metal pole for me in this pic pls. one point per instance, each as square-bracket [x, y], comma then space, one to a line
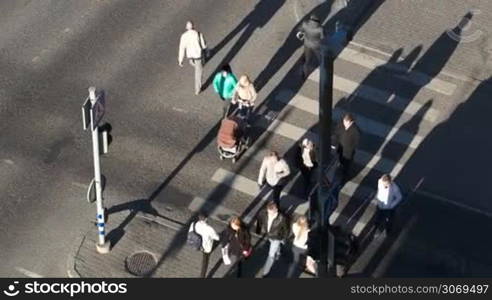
[324, 128]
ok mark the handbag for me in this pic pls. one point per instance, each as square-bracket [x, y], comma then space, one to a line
[225, 255]
[247, 252]
[205, 51]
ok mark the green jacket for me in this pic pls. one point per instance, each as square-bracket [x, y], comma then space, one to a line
[224, 86]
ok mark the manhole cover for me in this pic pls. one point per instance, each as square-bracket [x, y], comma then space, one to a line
[141, 263]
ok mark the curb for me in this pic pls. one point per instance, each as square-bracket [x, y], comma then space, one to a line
[71, 270]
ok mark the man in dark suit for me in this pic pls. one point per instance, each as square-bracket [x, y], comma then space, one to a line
[347, 136]
[271, 222]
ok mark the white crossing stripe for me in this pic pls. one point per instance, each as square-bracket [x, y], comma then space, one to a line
[28, 273]
[371, 161]
[200, 204]
[250, 187]
[415, 77]
[378, 96]
[365, 218]
[369, 126]
[257, 153]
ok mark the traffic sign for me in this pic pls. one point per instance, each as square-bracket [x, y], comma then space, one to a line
[86, 113]
[97, 111]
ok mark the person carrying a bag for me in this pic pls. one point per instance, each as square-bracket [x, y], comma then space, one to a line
[208, 236]
[192, 43]
[236, 244]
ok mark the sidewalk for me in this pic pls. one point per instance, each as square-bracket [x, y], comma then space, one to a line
[165, 240]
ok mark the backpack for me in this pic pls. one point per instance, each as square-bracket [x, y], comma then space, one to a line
[194, 240]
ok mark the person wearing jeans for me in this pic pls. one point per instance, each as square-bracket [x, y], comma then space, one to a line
[272, 223]
[274, 170]
[300, 230]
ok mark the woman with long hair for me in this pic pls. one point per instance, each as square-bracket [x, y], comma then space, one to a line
[300, 230]
[244, 95]
[236, 243]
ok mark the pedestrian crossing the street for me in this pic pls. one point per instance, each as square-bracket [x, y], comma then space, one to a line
[356, 206]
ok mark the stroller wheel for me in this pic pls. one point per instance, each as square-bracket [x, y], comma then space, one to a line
[221, 157]
[233, 160]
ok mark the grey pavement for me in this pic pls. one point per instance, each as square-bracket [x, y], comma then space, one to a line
[164, 151]
[164, 238]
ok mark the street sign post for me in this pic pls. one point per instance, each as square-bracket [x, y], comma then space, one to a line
[96, 114]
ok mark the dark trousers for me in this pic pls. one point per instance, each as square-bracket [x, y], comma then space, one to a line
[307, 58]
[384, 220]
[277, 189]
[237, 265]
[346, 167]
[245, 112]
[307, 174]
[298, 261]
[205, 260]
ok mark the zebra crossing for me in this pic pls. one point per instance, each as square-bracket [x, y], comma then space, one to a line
[356, 204]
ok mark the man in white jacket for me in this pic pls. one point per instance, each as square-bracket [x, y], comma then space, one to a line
[388, 197]
[192, 43]
[208, 235]
[275, 170]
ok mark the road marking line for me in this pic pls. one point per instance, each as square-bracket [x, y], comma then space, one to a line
[370, 161]
[375, 128]
[365, 218]
[455, 203]
[296, 14]
[378, 96]
[257, 153]
[250, 187]
[28, 273]
[8, 161]
[179, 109]
[415, 77]
[383, 265]
[200, 204]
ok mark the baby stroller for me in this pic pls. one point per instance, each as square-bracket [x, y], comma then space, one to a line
[232, 139]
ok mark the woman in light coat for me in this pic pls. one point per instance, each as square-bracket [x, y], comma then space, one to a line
[244, 95]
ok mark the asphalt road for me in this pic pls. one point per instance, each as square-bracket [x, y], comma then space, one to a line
[51, 52]
[164, 135]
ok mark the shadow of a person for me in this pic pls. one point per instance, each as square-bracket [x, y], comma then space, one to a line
[257, 18]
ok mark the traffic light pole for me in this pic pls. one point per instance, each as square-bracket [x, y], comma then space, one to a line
[102, 246]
